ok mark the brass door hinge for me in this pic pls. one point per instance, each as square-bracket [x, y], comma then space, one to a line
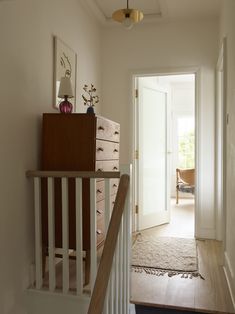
[136, 93]
[136, 209]
[136, 154]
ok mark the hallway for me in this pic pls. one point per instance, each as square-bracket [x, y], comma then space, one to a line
[210, 295]
[182, 220]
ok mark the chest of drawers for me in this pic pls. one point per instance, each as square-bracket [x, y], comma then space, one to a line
[79, 142]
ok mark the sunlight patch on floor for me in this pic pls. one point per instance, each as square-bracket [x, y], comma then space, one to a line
[182, 220]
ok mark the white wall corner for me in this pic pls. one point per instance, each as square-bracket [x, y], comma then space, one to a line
[229, 274]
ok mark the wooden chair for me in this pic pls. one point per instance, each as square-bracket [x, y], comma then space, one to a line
[185, 182]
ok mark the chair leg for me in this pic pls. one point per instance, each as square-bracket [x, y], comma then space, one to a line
[177, 196]
[87, 267]
[176, 186]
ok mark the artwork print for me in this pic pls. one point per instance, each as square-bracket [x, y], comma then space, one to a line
[65, 64]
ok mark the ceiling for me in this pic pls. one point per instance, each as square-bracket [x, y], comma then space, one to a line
[156, 10]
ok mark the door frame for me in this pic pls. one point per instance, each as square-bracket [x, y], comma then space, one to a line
[165, 72]
[221, 67]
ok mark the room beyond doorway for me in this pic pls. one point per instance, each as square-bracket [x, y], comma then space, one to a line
[165, 142]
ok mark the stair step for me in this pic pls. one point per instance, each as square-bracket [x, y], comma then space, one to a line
[142, 309]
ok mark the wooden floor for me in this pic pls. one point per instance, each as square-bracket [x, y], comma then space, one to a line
[210, 295]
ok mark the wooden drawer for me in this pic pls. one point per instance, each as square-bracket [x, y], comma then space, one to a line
[100, 206]
[100, 231]
[112, 200]
[100, 209]
[107, 165]
[114, 186]
[100, 190]
[100, 222]
[107, 130]
[106, 150]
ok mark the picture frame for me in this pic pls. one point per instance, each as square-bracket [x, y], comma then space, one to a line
[65, 64]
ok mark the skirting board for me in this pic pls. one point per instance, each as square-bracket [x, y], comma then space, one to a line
[229, 274]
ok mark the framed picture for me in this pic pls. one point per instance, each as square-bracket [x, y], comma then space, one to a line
[65, 64]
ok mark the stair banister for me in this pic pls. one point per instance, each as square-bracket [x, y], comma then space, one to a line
[104, 270]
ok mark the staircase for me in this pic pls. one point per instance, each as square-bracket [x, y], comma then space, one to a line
[65, 292]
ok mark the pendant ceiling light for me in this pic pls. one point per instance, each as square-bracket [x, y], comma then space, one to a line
[127, 16]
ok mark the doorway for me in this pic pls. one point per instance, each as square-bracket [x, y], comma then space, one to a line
[164, 142]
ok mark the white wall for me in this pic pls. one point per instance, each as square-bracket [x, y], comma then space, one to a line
[26, 59]
[152, 47]
[228, 29]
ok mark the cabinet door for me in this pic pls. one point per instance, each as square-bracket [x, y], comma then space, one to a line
[68, 142]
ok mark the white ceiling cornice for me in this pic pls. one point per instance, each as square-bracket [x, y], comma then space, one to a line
[91, 6]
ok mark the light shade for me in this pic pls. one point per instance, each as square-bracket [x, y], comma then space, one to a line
[65, 88]
[134, 15]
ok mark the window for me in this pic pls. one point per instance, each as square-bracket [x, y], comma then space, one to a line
[186, 142]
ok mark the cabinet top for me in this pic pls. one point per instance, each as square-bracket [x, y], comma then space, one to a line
[88, 116]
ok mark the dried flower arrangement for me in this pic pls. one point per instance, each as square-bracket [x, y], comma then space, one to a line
[91, 100]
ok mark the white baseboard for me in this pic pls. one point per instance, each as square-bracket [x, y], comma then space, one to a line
[229, 274]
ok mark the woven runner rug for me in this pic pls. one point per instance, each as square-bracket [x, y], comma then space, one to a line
[165, 255]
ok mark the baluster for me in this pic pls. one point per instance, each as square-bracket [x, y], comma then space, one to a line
[38, 232]
[107, 220]
[51, 233]
[111, 295]
[117, 281]
[79, 257]
[107, 210]
[121, 262]
[127, 250]
[65, 242]
[106, 302]
[93, 232]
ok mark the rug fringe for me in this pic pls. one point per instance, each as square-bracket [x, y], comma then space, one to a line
[162, 272]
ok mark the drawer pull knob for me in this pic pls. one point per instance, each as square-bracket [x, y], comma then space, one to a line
[100, 169]
[114, 185]
[100, 149]
[99, 211]
[115, 168]
[101, 128]
[115, 150]
[98, 231]
[116, 132]
[98, 191]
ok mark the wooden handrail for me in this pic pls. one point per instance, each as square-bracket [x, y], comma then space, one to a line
[101, 283]
[73, 174]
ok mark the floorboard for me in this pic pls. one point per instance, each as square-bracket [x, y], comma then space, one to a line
[207, 296]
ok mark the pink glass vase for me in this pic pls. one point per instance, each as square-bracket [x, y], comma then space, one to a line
[66, 106]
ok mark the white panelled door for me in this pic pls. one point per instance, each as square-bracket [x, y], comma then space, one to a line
[153, 184]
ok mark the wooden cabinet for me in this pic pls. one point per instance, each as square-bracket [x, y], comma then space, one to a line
[79, 142]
